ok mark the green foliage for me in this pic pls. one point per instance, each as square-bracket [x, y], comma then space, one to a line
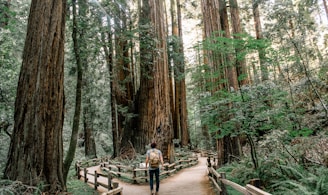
[301, 181]
[252, 110]
[240, 172]
[301, 132]
[323, 73]
[77, 187]
[8, 187]
[291, 45]
[12, 39]
[11, 46]
[280, 176]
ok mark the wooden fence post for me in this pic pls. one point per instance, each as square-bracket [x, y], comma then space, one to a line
[214, 163]
[255, 182]
[179, 166]
[209, 161]
[224, 190]
[119, 171]
[78, 170]
[85, 175]
[134, 175]
[109, 177]
[96, 175]
[209, 166]
[215, 178]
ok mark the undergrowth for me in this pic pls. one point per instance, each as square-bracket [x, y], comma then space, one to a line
[75, 186]
[78, 187]
[281, 179]
[283, 171]
[8, 187]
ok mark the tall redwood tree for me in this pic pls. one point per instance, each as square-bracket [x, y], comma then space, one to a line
[154, 113]
[36, 150]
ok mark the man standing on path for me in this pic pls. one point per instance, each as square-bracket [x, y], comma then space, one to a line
[154, 157]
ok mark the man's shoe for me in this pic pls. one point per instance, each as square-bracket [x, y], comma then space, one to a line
[156, 193]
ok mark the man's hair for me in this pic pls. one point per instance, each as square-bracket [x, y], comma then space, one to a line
[153, 145]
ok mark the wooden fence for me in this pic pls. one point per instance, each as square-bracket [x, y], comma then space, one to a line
[140, 174]
[112, 187]
[132, 173]
[220, 182]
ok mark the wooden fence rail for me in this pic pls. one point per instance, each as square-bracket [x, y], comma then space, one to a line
[220, 182]
[139, 175]
[113, 187]
[132, 173]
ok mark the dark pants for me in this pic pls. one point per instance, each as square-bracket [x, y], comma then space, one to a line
[151, 179]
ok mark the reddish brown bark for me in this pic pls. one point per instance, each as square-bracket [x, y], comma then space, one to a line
[212, 58]
[236, 29]
[89, 135]
[155, 118]
[258, 31]
[231, 73]
[180, 102]
[36, 151]
[185, 137]
[221, 64]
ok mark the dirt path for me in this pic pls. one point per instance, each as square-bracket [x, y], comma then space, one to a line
[188, 181]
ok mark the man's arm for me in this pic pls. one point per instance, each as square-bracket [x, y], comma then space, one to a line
[162, 160]
[147, 160]
[161, 157]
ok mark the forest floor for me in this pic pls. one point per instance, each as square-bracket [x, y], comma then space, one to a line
[192, 180]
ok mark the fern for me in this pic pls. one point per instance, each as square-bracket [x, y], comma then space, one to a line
[322, 185]
[301, 181]
[290, 187]
[280, 175]
[294, 172]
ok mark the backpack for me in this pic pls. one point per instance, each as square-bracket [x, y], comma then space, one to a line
[154, 159]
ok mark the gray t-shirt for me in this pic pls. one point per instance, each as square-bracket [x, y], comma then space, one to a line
[148, 155]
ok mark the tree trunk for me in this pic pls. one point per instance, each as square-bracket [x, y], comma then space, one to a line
[241, 68]
[124, 90]
[89, 144]
[220, 151]
[185, 137]
[108, 50]
[120, 66]
[231, 145]
[236, 29]
[155, 119]
[36, 151]
[231, 74]
[180, 106]
[213, 58]
[78, 96]
[326, 8]
[173, 60]
[258, 31]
